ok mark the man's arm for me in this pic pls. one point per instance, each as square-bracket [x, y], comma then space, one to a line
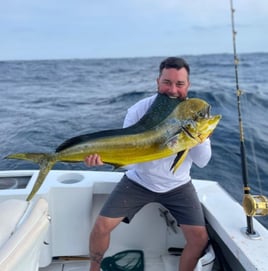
[201, 153]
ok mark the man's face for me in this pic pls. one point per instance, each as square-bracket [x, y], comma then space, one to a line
[174, 83]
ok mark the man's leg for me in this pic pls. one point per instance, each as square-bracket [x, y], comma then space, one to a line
[100, 239]
[196, 240]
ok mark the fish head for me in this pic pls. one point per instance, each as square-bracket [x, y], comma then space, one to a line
[193, 109]
[202, 128]
[199, 124]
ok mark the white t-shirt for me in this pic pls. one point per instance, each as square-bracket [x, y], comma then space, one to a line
[156, 175]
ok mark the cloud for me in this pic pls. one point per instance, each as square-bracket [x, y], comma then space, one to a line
[95, 28]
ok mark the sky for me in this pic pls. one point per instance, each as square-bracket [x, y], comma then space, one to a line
[67, 29]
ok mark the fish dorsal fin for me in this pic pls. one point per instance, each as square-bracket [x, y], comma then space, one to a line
[160, 109]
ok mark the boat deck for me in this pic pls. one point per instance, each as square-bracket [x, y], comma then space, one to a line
[163, 263]
[60, 265]
[151, 264]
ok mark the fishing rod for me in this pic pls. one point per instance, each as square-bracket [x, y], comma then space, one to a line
[254, 205]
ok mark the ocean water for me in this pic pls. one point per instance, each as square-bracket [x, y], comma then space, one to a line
[46, 102]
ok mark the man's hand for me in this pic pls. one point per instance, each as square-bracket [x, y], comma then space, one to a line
[93, 160]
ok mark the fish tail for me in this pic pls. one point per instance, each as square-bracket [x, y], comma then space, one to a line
[34, 157]
[45, 167]
[45, 161]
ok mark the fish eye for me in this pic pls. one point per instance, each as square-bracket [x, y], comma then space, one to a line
[202, 114]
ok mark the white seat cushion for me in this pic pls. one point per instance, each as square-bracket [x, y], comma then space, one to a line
[11, 213]
[21, 247]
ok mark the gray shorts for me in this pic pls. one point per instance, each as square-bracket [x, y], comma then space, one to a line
[129, 197]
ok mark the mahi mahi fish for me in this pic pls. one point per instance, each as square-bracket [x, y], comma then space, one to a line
[170, 126]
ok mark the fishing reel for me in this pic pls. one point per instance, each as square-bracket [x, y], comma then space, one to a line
[255, 205]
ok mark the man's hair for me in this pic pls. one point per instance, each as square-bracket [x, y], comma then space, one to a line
[175, 63]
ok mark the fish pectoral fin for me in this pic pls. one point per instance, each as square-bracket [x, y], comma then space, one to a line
[178, 160]
[172, 141]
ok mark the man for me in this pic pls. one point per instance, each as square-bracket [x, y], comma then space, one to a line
[153, 181]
